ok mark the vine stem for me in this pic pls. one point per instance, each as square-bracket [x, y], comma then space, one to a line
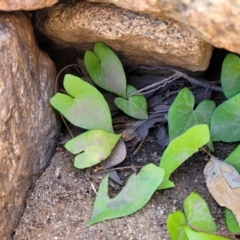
[60, 72]
[56, 87]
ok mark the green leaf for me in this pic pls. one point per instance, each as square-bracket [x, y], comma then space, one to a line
[198, 214]
[231, 222]
[181, 115]
[230, 76]
[135, 106]
[234, 158]
[106, 70]
[175, 223]
[225, 121]
[93, 146]
[85, 107]
[180, 149]
[133, 196]
[195, 235]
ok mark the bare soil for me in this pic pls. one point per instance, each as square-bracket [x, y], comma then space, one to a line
[61, 203]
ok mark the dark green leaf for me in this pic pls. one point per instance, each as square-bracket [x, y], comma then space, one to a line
[135, 106]
[105, 69]
[180, 149]
[198, 214]
[85, 107]
[225, 121]
[234, 158]
[231, 222]
[175, 223]
[133, 196]
[230, 76]
[93, 146]
[181, 115]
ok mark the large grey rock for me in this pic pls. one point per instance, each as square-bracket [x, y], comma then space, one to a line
[138, 39]
[13, 5]
[217, 22]
[28, 126]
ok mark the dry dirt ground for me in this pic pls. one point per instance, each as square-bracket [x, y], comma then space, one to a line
[61, 203]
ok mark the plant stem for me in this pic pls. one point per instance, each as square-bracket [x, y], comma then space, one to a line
[57, 77]
[214, 233]
[56, 87]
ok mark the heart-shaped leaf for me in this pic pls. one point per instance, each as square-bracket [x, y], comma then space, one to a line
[106, 70]
[135, 106]
[230, 76]
[223, 182]
[93, 146]
[198, 214]
[225, 121]
[180, 149]
[195, 235]
[231, 222]
[133, 196]
[234, 158]
[181, 115]
[175, 223]
[85, 107]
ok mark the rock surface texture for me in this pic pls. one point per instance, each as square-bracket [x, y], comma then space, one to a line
[217, 22]
[13, 5]
[138, 39]
[28, 126]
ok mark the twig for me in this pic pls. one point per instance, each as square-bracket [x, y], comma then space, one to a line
[201, 83]
[118, 168]
[94, 189]
[179, 74]
[157, 85]
[223, 234]
[140, 144]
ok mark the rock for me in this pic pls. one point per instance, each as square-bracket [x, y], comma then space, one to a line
[138, 39]
[13, 5]
[28, 125]
[217, 22]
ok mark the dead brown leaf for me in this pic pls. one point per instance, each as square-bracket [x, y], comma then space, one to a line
[223, 182]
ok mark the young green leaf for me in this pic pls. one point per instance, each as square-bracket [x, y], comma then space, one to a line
[135, 106]
[231, 222]
[133, 196]
[195, 235]
[198, 214]
[85, 107]
[175, 223]
[225, 121]
[230, 76]
[234, 158]
[93, 146]
[181, 115]
[106, 70]
[180, 149]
